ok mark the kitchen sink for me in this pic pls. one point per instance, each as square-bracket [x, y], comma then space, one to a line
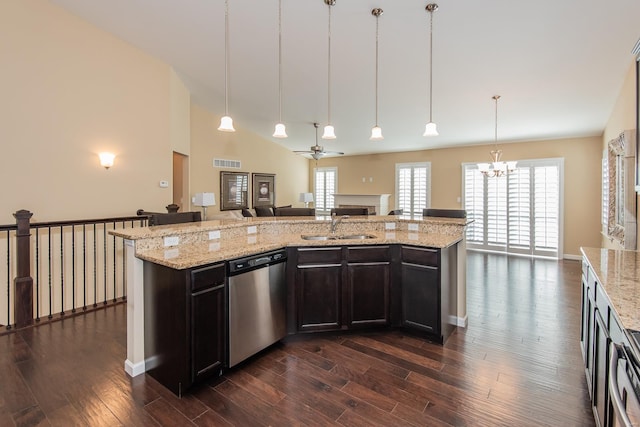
[337, 237]
[358, 236]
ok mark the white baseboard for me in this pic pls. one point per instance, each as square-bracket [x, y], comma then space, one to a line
[572, 257]
[458, 321]
[134, 369]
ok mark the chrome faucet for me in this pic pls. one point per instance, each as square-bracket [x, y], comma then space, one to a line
[335, 221]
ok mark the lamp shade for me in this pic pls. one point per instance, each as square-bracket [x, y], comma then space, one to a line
[204, 199]
[329, 132]
[430, 130]
[106, 159]
[280, 131]
[306, 197]
[376, 134]
[226, 124]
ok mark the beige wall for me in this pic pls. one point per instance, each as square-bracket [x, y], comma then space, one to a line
[255, 153]
[622, 118]
[70, 91]
[581, 189]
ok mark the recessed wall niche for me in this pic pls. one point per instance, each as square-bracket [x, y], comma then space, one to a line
[620, 162]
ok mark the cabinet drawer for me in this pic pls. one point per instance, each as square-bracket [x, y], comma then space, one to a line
[368, 253]
[320, 255]
[206, 277]
[420, 256]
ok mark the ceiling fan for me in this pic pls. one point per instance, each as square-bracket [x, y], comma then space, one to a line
[317, 151]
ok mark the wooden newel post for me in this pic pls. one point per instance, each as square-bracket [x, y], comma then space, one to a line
[23, 283]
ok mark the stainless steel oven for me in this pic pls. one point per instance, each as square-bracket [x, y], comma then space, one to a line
[624, 387]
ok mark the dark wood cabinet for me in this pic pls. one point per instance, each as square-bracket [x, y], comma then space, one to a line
[428, 290]
[318, 288]
[600, 393]
[185, 324]
[368, 286]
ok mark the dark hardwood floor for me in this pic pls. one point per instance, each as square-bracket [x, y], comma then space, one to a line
[518, 363]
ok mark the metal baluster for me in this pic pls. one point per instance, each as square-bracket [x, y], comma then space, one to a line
[8, 279]
[49, 275]
[73, 268]
[114, 265]
[104, 255]
[95, 271]
[61, 271]
[37, 274]
[84, 267]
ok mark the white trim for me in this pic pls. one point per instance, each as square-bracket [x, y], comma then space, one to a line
[333, 169]
[572, 257]
[460, 322]
[412, 165]
[134, 369]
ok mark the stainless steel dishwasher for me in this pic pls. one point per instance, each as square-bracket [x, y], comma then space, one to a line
[257, 303]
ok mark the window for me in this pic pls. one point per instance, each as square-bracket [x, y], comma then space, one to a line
[517, 213]
[413, 187]
[325, 185]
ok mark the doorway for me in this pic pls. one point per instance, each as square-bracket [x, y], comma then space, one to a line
[181, 181]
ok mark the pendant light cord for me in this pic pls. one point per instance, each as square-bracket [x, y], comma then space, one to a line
[496, 97]
[377, 22]
[280, 61]
[226, 57]
[430, 66]
[329, 71]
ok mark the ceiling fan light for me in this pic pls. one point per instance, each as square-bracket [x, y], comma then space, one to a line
[329, 132]
[226, 124]
[430, 130]
[280, 131]
[376, 134]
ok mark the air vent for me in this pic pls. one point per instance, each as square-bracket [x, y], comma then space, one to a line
[636, 49]
[227, 164]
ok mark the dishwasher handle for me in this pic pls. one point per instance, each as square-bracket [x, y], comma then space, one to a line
[618, 406]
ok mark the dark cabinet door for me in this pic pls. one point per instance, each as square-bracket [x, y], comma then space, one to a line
[369, 294]
[208, 331]
[319, 297]
[420, 297]
[600, 369]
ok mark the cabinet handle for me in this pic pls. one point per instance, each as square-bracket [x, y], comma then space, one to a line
[215, 288]
[618, 406]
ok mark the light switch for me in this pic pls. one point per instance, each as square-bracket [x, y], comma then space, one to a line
[214, 234]
[164, 184]
[413, 227]
[171, 241]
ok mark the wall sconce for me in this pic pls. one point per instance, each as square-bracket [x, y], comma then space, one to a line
[106, 159]
[306, 198]
[203, 200]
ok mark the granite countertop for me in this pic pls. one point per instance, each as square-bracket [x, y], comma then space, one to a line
[618, 271]
[193, 244]
[201, 253]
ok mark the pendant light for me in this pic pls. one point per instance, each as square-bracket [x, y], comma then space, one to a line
[496, 168]
[329, 132]
[430, 129]
[280, 131]
[226, 122]
[376, 131]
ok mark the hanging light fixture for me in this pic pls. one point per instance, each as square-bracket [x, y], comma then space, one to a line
[497, 167]
[280, 131]
[376, 131]
[430, 129]
[329, 132]
[226, 122]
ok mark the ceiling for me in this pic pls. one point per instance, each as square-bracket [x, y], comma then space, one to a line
[557, 65]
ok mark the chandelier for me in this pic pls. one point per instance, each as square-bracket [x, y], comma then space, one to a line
[496, 168]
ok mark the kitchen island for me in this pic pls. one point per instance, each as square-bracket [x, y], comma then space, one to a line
[192, 245]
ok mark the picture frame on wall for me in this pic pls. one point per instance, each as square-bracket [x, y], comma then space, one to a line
[234, 190]
[264, 189]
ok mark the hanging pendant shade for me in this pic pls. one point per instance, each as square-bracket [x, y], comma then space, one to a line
[280, 131]
[329, 132]
[376, 134]
[430, 129]
[226, 124]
